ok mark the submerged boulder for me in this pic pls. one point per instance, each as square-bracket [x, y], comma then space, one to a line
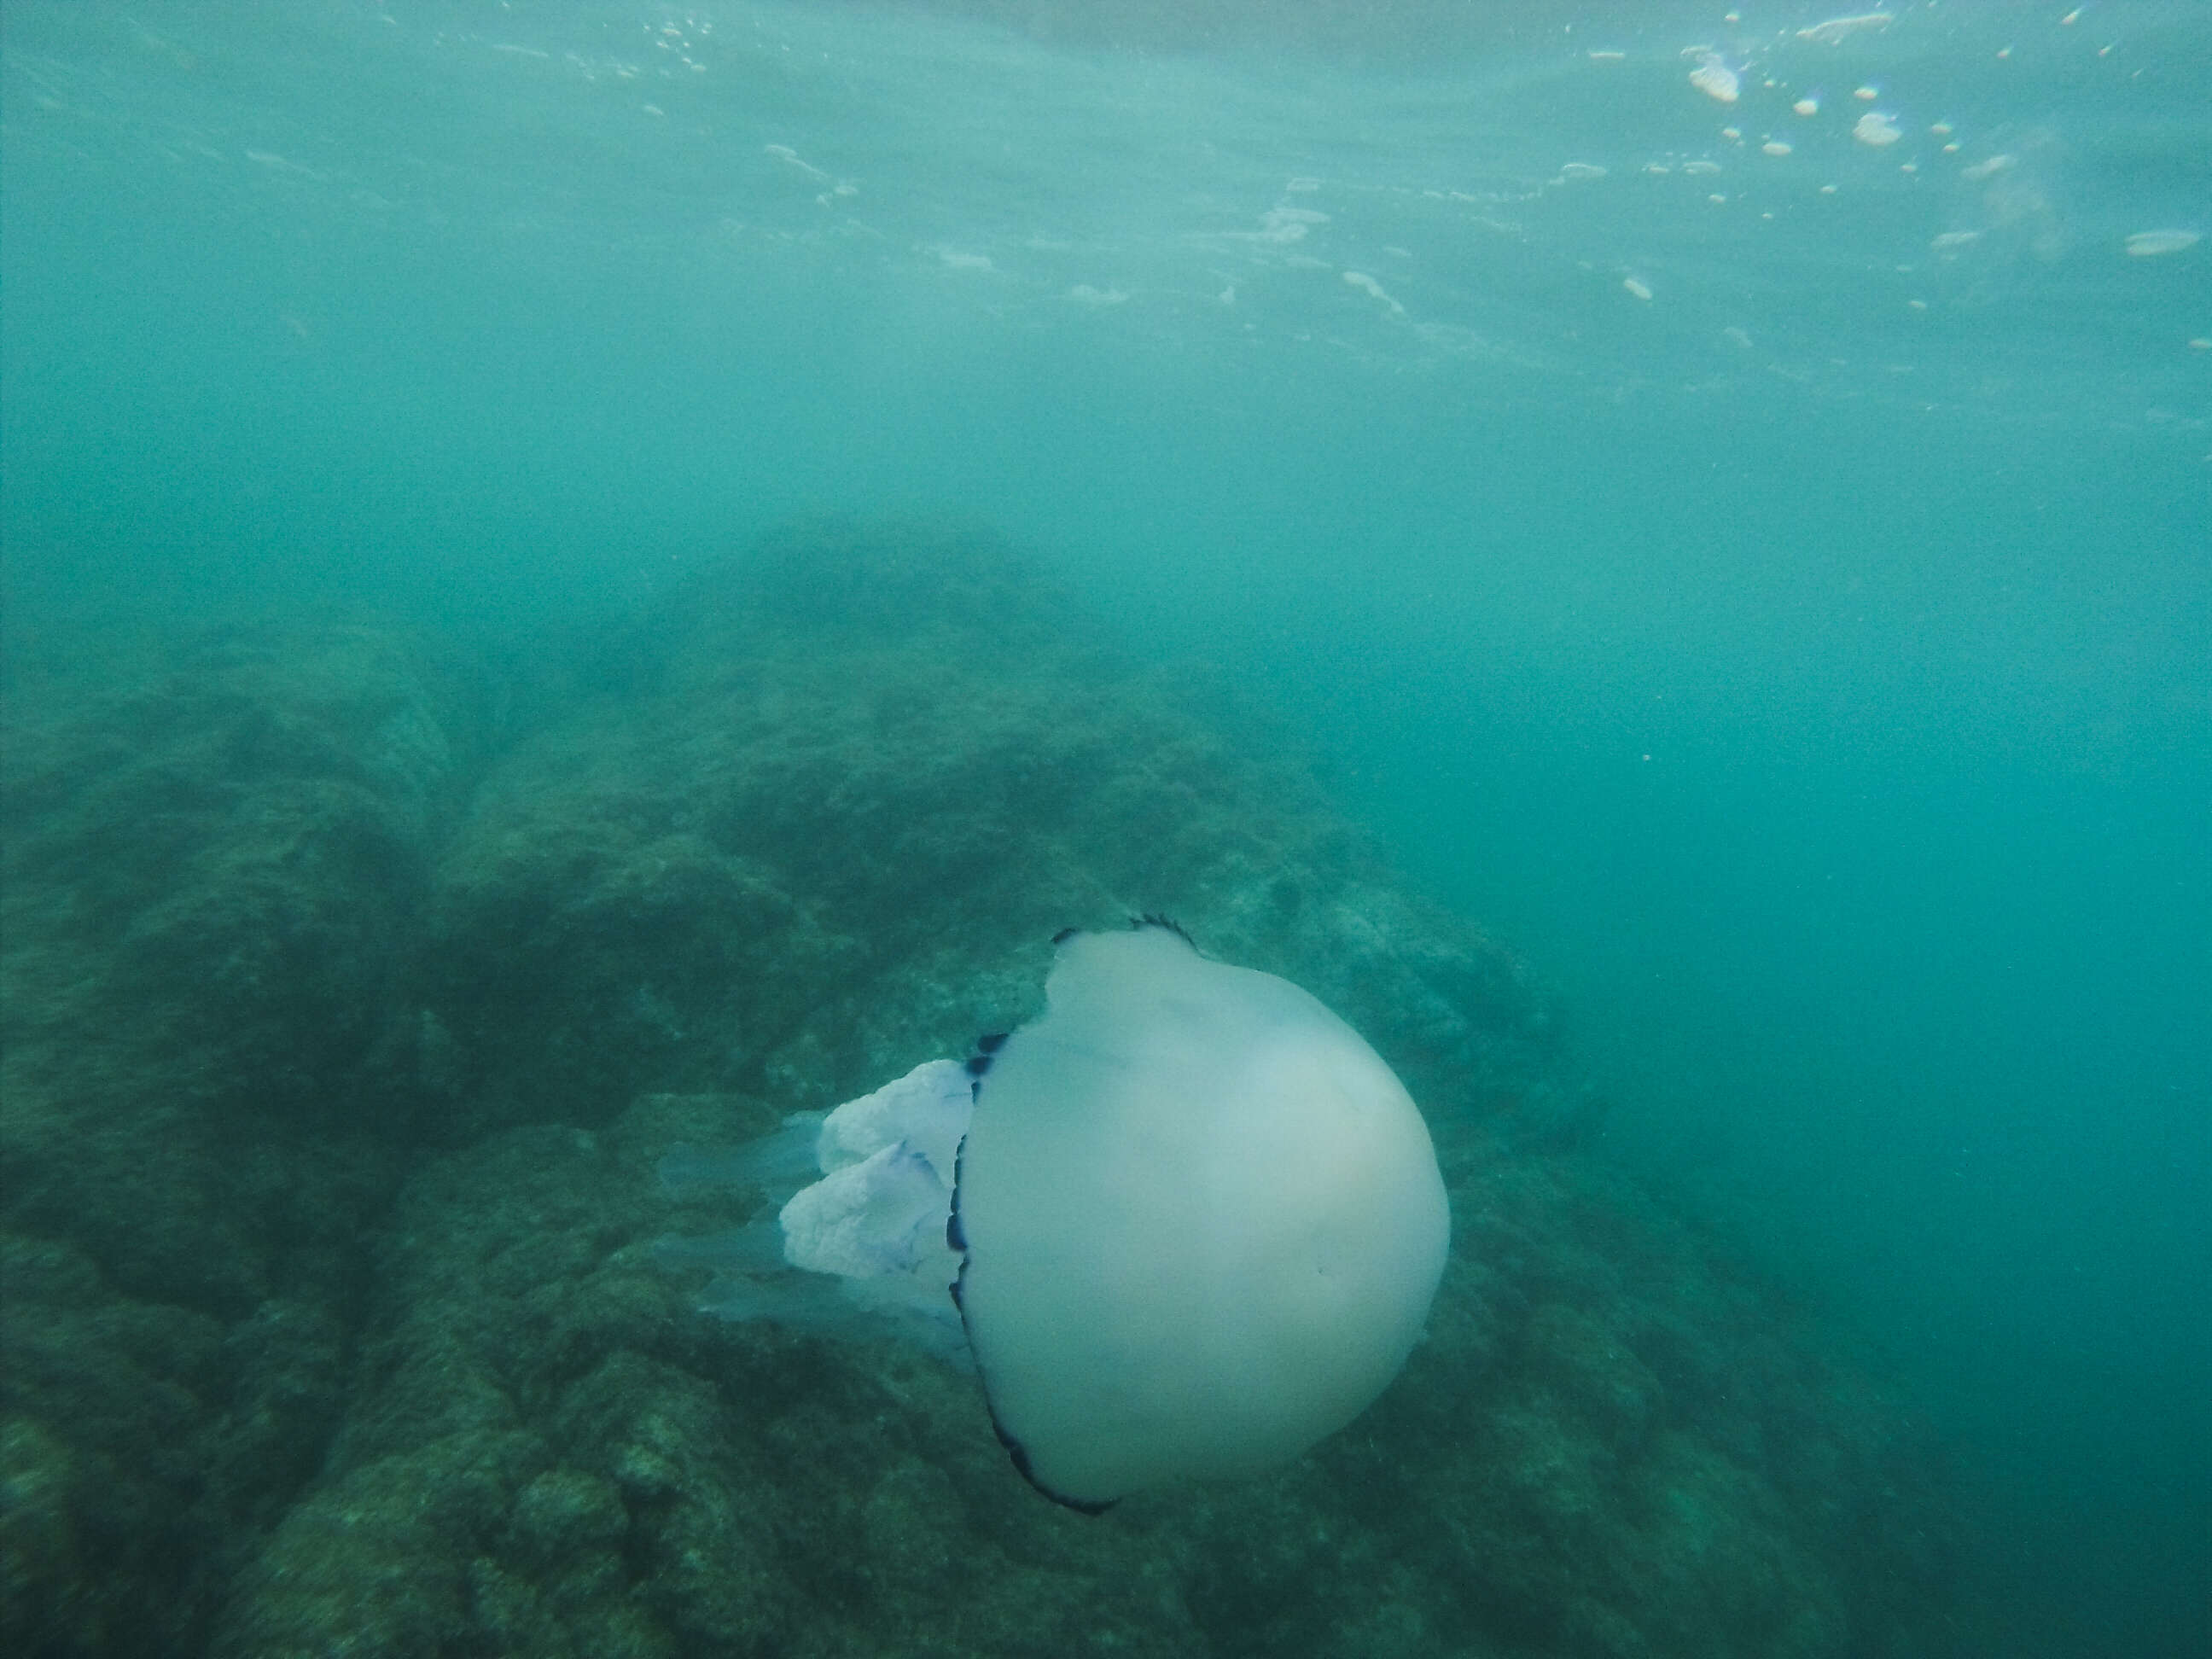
[1610, 1445]
[217, 857]
[343, 1053]
[838, 797]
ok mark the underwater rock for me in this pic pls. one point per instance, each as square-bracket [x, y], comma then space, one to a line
[269, 958]
[548, 1452]
[767, 859]
[551, 1454]
[215, 862]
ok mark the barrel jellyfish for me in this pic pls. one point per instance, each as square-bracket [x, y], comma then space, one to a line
[1186, 1224]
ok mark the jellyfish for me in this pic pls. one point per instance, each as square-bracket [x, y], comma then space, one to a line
[1186, 1225]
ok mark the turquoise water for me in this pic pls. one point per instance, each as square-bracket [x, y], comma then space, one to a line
[1763, 574]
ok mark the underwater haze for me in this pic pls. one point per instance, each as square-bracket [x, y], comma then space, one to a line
[1718, 500]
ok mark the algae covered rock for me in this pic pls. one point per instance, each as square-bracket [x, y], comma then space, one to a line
[215, 862]
[550, 1452]
[343, 1047]
[850, 785]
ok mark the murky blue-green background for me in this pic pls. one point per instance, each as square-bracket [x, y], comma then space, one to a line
[1765, 574]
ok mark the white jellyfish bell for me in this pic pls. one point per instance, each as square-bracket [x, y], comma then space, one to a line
[1189, 1222]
